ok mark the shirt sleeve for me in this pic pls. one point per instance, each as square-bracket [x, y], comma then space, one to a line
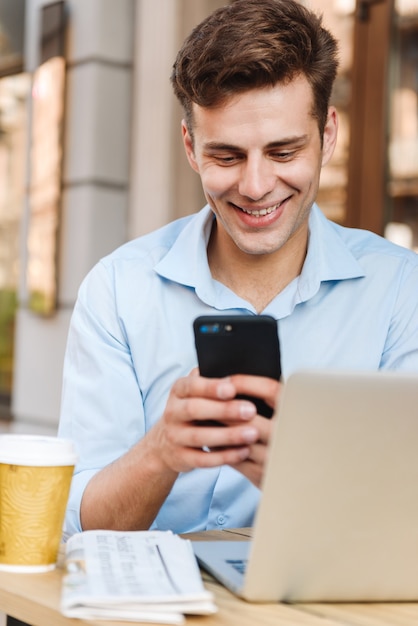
[101, 409]
[401, 349]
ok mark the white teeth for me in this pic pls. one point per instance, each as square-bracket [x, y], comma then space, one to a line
[261, 212]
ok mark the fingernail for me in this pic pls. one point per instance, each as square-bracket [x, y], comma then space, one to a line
[249, 434]
[243, 453]
[225, 390]
[247, 410]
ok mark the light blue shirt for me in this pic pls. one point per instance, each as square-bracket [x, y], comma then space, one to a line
[354, 306]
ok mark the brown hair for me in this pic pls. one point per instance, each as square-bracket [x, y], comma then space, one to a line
[251, 44]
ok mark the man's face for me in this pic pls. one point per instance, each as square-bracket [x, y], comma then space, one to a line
[259, 156]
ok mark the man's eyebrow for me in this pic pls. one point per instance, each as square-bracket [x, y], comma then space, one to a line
[286, 141]
[295, 140]
[217, 145]
[279, 143]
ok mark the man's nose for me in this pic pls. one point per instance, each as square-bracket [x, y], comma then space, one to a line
[257, 178]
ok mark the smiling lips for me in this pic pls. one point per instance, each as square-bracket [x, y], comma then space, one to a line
[261, 212]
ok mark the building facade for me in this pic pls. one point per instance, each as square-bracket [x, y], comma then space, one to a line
[113, 127]
[123, 172]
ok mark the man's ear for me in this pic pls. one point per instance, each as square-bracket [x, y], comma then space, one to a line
[330, 135]
[188, 146]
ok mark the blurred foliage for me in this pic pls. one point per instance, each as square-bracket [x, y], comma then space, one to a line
[41, 303]
[8, 306]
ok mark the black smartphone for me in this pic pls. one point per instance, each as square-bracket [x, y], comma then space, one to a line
[238, 344]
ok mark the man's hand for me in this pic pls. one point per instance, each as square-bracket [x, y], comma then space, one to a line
[253, 466]
[128, 493]
[184, 439]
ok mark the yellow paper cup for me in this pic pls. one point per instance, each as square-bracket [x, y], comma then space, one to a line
[35, 479]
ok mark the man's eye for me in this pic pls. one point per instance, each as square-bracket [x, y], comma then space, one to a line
[225, 160]
[282, 156]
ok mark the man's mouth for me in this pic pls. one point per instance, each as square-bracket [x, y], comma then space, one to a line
[261, 212]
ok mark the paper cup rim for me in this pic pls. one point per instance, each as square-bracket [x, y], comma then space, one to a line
[36, 450]
[27, 569]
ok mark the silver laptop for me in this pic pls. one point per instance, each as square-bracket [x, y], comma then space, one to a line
[338, 516]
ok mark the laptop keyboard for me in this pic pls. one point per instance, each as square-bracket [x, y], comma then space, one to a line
[238, 564]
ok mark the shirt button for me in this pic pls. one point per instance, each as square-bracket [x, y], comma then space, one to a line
[221, 520]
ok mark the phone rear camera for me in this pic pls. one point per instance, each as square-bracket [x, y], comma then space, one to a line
[209, 328]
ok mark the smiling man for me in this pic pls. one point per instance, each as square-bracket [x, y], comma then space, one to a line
[259, 156]
[254, 80]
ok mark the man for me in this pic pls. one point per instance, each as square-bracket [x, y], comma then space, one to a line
[254, 80]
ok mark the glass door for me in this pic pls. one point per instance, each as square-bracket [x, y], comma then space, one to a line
[14, 94]
[402, 185]
[338, 17]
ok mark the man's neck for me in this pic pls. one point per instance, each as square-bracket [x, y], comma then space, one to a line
[258, 279]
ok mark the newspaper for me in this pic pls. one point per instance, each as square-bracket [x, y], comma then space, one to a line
[148, 576]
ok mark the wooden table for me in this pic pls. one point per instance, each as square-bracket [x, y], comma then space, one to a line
[34, 598]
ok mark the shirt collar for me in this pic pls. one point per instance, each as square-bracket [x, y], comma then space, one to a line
[186, 261]
[328, 258]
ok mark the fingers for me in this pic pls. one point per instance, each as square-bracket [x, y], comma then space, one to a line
[267, 389]
[250, 470]
[197, 399]
[183, 446]
[265, 429]
[200, 458]
[252, 467]
[254, 464]
[195, 386]
[183, 437]
[216, 437]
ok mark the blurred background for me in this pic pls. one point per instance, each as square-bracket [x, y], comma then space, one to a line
[91, 154]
